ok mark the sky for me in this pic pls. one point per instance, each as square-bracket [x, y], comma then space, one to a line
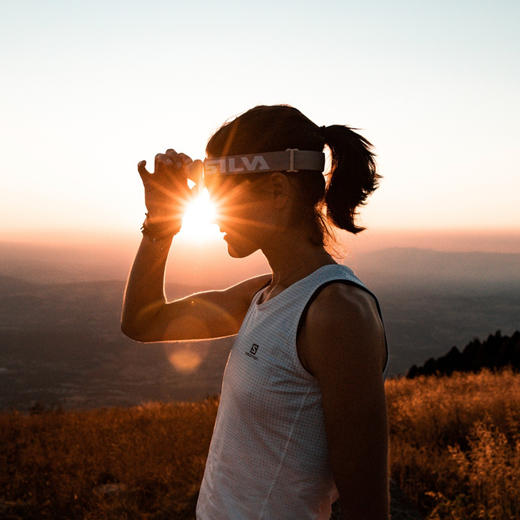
[91, 88]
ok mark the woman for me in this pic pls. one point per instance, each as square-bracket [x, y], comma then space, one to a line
[302, 415]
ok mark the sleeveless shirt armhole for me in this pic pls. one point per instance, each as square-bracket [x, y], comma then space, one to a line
[313, 297]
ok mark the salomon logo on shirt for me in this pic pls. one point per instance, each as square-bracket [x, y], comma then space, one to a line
[252, 351]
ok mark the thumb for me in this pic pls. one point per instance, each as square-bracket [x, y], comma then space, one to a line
[194, 173]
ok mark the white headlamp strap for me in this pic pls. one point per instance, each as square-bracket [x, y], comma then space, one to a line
[290, 160]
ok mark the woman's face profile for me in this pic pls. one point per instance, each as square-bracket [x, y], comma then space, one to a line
[243, 213]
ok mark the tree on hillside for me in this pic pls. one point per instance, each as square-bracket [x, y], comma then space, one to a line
[495, 353]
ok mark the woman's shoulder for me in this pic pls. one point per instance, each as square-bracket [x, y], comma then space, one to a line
[342, 317]
[338, 299]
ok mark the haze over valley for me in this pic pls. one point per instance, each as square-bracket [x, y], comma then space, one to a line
[61, 344]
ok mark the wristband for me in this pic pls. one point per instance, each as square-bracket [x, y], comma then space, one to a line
[157, 232]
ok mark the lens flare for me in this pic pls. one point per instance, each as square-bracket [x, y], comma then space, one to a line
[198, 222]
[185, 361]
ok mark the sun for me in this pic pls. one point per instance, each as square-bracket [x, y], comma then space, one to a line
[198, 221]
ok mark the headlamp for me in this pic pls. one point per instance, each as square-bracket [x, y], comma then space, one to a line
[290, 160]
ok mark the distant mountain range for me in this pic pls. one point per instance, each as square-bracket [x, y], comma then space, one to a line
[428, 268]
[389, 267]
[60, 337]
[495, 352]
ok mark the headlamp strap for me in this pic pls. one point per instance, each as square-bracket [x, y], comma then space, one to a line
[290, 160]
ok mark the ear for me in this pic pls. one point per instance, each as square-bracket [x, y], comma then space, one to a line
[280, 189]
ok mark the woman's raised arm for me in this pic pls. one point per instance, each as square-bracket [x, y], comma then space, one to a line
[146, 314]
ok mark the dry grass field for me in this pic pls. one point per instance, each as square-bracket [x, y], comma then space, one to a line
[455, 453]
[455, 443]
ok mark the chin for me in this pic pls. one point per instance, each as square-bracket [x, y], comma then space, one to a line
[240, 252]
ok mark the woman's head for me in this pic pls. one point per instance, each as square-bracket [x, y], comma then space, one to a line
[312, 204]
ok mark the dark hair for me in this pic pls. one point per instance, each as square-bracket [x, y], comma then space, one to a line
[353, 171]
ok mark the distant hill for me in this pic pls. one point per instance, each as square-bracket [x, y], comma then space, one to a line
[12, 285]
[386, 267]
[429, 268]
[495, 352]
[209, 267]
[60, 336]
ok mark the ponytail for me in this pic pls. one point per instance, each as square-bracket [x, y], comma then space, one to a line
[353, 173]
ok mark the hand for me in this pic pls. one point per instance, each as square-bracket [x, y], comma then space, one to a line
[166, 190]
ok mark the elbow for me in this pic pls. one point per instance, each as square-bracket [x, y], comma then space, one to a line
[132, 333]
[141, 325]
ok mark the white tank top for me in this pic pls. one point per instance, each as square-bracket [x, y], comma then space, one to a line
[268, 457]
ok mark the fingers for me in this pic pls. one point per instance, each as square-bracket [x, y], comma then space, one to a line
[186, 159]
[173, 165]
[180, 159]
[174, 156]
[143, 172]
[195, 170]
[163, 163]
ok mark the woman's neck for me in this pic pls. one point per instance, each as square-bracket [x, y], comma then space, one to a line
[292, 259]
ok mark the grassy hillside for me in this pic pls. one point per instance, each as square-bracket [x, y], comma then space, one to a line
[455, 452]
[455, 443]
[145, 461]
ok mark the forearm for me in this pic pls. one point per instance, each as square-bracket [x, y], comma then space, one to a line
[144, 292]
